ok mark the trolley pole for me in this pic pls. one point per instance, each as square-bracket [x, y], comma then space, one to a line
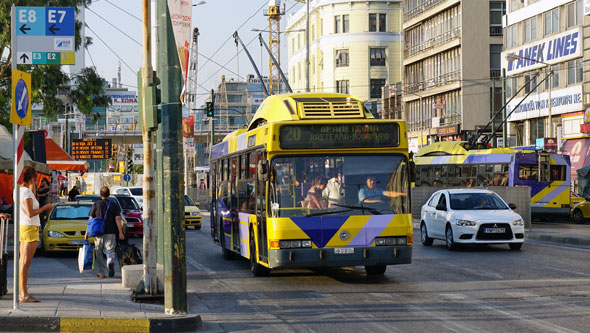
[175, 298]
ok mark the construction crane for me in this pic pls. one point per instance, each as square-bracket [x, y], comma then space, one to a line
[274, 30]
[191, 77]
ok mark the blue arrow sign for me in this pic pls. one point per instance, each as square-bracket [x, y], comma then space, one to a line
[30, 21]
[127, 177]
[59, 21]
[21, 96]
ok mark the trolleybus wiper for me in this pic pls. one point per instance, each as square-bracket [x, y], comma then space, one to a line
[328, 212]
[370, 209]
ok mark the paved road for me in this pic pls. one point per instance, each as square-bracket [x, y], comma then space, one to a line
[543, 288]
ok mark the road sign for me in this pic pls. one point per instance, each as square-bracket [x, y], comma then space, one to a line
[45, 35]
[127, 177]
[91, 149]
[20, 113]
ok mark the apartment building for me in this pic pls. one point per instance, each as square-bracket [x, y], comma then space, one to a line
[355, 48]
[451, 59]
[544, 54]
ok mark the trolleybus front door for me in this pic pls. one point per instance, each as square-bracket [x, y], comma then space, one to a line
[261, 214]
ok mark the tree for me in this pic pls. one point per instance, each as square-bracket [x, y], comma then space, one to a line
[86, 89]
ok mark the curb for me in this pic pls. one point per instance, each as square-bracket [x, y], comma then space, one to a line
[189, 323]
[559, 239]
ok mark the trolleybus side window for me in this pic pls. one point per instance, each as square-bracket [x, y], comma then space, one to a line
[557, 172]
[528, 172]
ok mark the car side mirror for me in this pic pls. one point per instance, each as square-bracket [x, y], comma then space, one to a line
[263, 170]
[197, 204]
[441, 206]
[512, 206]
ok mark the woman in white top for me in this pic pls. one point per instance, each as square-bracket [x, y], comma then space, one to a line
[29, 230]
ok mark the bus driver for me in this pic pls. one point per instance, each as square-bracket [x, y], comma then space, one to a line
[371, 194]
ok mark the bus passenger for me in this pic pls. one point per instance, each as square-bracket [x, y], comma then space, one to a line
[496, 181]
[334, 192]
[314, 198]
[470, 182]
[371, 194]
[504, 181]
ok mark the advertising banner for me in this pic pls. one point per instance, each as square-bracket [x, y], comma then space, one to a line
[180, 14]
[188, 133]
[537, 105]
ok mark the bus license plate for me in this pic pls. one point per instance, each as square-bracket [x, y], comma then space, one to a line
[495, 230]
[76, 242]
[344, 250]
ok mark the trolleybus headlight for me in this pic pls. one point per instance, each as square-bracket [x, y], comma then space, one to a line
[285, 244]
[379, 241]
[295, 243]
[464, 223]
[389, 241]
[306, 243]
[518, 222]
[401, 241]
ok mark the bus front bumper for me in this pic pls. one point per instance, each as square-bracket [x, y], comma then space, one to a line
[327, 257]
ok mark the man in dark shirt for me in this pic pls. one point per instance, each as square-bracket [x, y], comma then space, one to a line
[112, 228]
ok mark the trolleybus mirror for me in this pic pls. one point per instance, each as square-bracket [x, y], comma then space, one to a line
[263, 170]
[412, 172]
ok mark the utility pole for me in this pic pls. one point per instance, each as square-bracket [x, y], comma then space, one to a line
[505, 126]
[494, 145]
[212, 124]
[170, 74]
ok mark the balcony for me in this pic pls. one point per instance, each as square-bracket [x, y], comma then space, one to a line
[434, 82]
[495, 73]
[432, 42]
[420, 8]
[496, 31]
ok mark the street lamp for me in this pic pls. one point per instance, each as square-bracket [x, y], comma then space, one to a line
[200, 3]
[513, 57]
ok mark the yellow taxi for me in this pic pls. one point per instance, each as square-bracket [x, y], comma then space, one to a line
[66, 227]
[580, 212]
[192, 213]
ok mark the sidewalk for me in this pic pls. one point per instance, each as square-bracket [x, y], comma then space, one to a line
[74, 302]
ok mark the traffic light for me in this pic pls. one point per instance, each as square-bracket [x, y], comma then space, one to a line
[153, 98]
[130, 163]
[210, 109]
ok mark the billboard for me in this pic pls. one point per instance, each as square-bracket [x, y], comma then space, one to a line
[91, 149]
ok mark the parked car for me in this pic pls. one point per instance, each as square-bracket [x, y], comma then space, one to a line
[580, 212]
[470, 216]
[135, 191]
[192, 213]
[66, 227]
[95, 197]
[133, 214]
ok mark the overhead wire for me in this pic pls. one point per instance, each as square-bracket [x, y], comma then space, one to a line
[112, 25]
[123, 10]
[108, 47]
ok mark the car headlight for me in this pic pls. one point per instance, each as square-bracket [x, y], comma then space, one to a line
[52, 233]
[519, 222]
[465, 223]
[195, 214]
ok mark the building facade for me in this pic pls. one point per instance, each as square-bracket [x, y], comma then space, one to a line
[355, 48]
[544, 52]
[451, 61]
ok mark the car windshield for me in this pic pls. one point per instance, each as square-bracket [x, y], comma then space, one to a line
[136, 190]
[128, 203]
[338, 185]
[476, 201]
[188, 201]
[71, 212]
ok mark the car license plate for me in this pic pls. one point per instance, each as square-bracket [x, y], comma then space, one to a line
[130, 224]
[344, 250]
[494, 230]
[77, 242]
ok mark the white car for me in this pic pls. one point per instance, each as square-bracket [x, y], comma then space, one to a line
[470, 216]
[135, 191]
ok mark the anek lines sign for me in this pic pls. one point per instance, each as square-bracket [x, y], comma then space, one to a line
[561, 47]
[45, 35]
[91, 149]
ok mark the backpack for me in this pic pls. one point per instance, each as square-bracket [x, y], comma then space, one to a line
[128, 254]
[96, 225]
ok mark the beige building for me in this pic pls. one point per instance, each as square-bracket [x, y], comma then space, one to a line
[451, 54]
[355, 47]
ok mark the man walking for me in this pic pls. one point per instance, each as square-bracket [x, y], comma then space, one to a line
[111, 212]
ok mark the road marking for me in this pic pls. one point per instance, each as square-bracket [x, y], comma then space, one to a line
[453, 296]
[521, 295]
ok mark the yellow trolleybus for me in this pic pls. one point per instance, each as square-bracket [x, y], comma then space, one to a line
[313, 181]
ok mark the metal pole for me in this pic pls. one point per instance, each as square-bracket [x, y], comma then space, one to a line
[185, 154]
[549, 110]
[505, 125]
[150, 279]
[175, 298]
[494, 145]
[307, 46]
[67, 144]
[212, 125]
[16, 189]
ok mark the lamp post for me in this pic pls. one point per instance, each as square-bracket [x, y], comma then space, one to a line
[513, 56]
[200, 3]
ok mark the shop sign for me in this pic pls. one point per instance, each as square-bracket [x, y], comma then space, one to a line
[555, 49]
[585, 127]
[550, 145]
[448, 130]
[537, 105]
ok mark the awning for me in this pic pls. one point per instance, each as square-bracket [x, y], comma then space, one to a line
[577, 149]
[58, 159]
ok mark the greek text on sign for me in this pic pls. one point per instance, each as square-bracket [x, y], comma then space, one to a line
[555, 49]
[45, 35]
[537, 105]
[91, 149]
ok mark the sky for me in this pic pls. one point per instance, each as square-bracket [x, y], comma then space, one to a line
[116, 29]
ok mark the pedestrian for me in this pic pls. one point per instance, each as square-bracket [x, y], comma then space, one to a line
[29, 230]
[43, 196]
[73, 193]
[112, 228]
[78, 184]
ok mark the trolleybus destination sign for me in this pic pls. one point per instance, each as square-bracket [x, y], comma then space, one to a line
[333, 136]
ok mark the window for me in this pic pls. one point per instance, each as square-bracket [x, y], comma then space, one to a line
[574, 71]
[536, 130]
[495, 56]
[530, 83]
[530, 29]
[377, 56]
[342, 86]
[555, 79]
[512, 36]
[511, 86]
[552, 21]
[376, 85]
[377, 22]
[575, 14]
[345, 23]
[342, 58]
[337, 19]
[497, 10]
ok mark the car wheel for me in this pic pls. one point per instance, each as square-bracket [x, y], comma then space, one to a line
[375, 270]
[578, 216]
[256, 268]
[515, 246]
[449, 238]
[426, 241]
